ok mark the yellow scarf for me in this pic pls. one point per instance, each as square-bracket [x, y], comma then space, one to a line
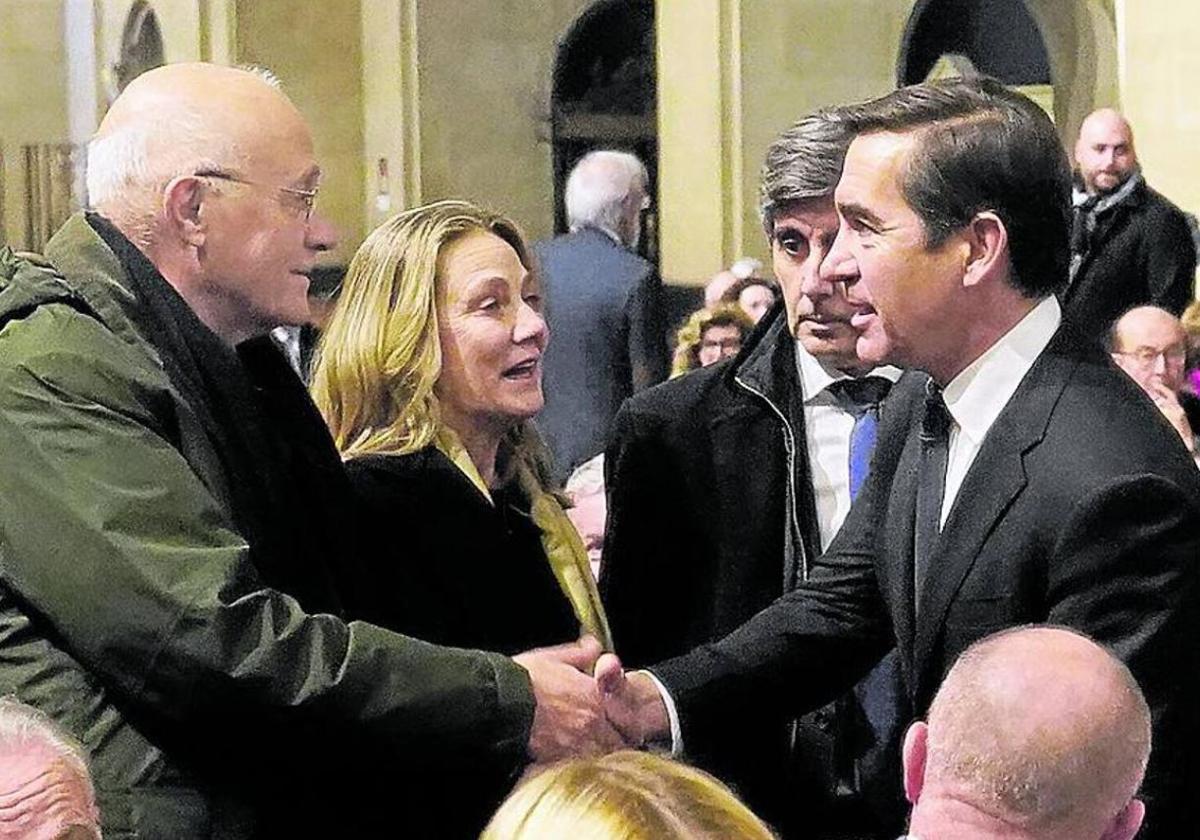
[564, 549]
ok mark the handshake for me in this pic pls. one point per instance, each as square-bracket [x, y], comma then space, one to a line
[587, 704]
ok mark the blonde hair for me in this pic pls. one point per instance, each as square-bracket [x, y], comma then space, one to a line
[689, 336]
[625, 796]
[380, 357]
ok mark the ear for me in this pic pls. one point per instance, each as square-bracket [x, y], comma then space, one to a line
[1126, 823]
[987, 248]
[916, 744]
[182, 200]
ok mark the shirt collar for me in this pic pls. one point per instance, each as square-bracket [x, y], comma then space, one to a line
[816, 376]
[979, 393]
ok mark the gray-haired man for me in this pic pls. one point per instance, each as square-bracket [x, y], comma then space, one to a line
[603, 307]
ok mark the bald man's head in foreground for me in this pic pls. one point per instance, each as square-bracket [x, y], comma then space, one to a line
[1104, 152]
[45, 789]
[1037, 733]
[210, 171]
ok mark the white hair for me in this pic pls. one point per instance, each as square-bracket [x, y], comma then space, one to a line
[263, 73]
[599, 188]
[587, 479]
[21, 725]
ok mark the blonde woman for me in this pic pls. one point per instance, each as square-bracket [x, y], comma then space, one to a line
[708, 336]
[624, 796]
[428, 374]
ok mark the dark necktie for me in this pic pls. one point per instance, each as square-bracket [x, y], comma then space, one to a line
[860, 398]
[931, 484]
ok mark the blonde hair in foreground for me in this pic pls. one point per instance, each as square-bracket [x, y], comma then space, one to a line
[380, 357]
[624, 796]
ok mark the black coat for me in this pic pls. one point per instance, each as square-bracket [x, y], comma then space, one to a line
[450, 568]
[1081, 508]
[705, 528]
[1140, 252]
[604, 310]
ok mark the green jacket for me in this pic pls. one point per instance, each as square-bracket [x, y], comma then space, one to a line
[130, 610]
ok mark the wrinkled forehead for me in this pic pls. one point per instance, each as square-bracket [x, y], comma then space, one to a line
[43, 797]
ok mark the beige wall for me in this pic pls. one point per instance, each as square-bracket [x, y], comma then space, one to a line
[33, 91]
[799, 57]
[484, 86]
[314, 48]
[1161, 69]
[733, 74]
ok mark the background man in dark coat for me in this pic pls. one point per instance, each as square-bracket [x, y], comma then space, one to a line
[1129, 244]
[603, 304]
[1037, 484]
[726, 483]
[166, 594]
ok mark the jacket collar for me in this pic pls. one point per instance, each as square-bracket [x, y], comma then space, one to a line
[767, 363]
[93, 272]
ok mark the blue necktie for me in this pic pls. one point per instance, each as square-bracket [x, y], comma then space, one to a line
[860, 398]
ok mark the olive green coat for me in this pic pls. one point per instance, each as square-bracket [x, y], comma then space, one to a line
[130, 610]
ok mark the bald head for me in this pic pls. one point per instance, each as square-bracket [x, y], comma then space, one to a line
[179, 119]
[1038, 730]
[1150, 344]
[45, 789]
[1104, 151]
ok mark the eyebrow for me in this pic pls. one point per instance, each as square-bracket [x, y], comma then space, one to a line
[857, 211]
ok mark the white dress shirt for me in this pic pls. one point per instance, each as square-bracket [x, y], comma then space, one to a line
[827, 429]
[979, 393]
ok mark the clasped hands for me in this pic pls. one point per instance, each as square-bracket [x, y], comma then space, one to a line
[587, 704]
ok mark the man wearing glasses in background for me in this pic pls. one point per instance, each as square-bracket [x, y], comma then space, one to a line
[174, 521]
[1150, 345]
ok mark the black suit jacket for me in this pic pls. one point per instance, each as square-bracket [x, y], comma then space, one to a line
[1141, 252]
[1080, 509]
[604, 310]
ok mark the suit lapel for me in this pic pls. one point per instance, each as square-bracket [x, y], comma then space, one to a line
[994, 480]
[898, 531]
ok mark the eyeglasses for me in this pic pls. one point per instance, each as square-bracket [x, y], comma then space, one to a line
[307, 197]
[1147, 356]
[725, 344]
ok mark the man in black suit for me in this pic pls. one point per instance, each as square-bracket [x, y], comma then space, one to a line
[1129, 244]
[726, 483]
[603, 307]
[1033, 482]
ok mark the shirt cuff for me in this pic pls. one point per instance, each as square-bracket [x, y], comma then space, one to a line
[672, 714]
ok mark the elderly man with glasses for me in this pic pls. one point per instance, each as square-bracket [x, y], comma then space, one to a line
[1150, 345]
[174, 520]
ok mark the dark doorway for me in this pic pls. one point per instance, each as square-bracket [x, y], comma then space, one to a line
[141, 44]
[604, 97]
[999, 37]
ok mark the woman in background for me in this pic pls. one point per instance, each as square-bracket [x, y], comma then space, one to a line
[428, 374]
[708, 336]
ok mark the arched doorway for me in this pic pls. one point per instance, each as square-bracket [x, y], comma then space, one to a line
[604, 96]
[141, 45]
[999, 38]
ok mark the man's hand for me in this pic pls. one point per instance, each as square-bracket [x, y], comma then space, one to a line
[632, 702]
[569, 717]
[1168, 403]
